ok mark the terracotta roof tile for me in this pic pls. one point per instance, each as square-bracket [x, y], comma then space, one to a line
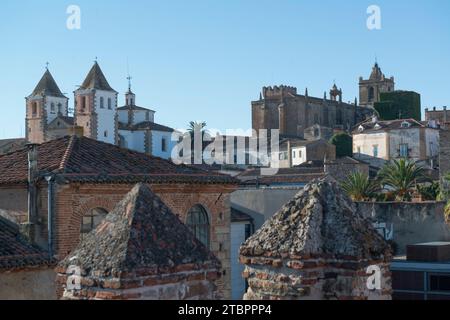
[86, 160]
[16, 252]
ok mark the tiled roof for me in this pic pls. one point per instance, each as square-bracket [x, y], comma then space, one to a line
[81, 159]
[67, 120]
[133, 107]
[285, 171]
[96, 80]
[16, 252]
[146, 125]
[380, 126]
[6, 142]
[47, 87]
[141, 233]
[283, 179]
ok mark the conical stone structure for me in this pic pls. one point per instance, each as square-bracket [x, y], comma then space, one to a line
[317, 247]
[140, 251]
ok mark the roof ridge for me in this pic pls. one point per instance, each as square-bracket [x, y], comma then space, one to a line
[67, 153]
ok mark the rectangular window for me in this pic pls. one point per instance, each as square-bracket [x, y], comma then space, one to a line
[359, 150]
[404, 150]
[375, 151]
[439, 283]
[294, 154]
[109, 104]
[102, 104]
[163, 145]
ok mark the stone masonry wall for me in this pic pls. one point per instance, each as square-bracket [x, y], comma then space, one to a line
[313, 278]
[186, 282]
[408, 223]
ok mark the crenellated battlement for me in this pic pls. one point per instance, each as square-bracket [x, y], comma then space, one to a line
[278, 91]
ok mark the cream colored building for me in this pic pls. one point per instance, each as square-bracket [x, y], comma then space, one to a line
[376, 140]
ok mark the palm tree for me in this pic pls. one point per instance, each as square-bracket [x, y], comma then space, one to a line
[359, 187]
[195, 126]
[401, 176]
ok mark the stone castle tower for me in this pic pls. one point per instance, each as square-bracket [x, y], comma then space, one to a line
[43, 106]
[96, 107]
[369, 90]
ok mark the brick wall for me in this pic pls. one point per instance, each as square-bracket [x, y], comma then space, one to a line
[73, 201]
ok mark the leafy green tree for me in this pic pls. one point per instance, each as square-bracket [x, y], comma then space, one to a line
[359, 187]
[400, 177]
[343, 143]
[429, 192]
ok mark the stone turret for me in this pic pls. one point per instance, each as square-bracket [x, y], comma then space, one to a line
[316, 247]
[278, 92]
[140, 251]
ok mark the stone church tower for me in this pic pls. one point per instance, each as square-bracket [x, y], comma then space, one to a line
[44, 105]
[96, 107]
[369, 90]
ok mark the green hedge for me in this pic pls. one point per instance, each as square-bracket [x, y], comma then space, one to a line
[399, 104]
[344, 145]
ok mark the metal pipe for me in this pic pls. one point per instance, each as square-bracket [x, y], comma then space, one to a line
[50, 214]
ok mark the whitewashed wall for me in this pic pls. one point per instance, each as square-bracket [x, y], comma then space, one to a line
[106, 117]
[157, 137]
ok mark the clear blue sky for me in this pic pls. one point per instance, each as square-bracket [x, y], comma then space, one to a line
[207, 59]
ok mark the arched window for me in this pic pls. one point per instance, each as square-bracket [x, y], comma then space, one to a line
[102, 103]
[197, 220]
[83, 103]
[339, 117]
[371, 94]
[122, 142]
[92, 220]
[52, 108]
[59, 108]
[34, 109]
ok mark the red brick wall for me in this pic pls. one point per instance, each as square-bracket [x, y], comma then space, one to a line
[74, 201]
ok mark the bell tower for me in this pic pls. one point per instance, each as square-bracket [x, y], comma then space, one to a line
[369, 90]
[43, 105]
[96, 107]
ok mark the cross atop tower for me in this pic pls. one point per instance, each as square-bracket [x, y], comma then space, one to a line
[129, 78]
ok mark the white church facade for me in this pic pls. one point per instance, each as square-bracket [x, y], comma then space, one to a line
[96, 115]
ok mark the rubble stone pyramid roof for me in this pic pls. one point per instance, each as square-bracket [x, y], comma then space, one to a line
[320, 220]
[141, 233]
[47, 87]
[96, 80]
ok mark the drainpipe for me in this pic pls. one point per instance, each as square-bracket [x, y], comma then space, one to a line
[32, 190]
[50, 195]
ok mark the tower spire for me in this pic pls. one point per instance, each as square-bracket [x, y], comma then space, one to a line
[129, 82]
